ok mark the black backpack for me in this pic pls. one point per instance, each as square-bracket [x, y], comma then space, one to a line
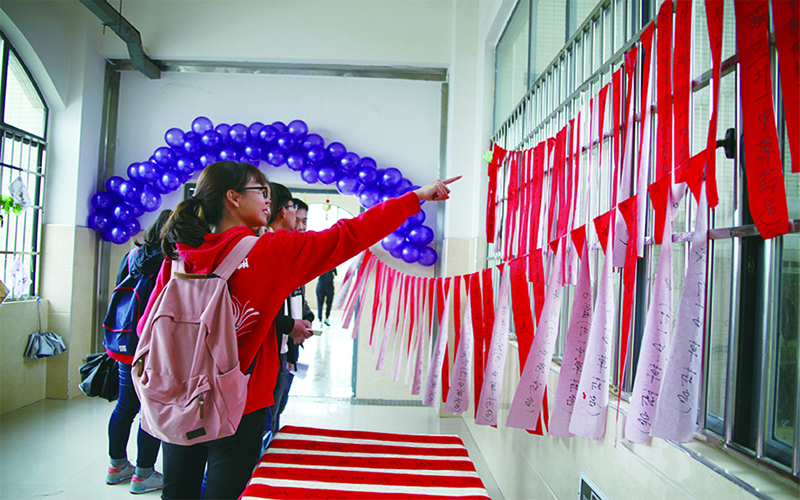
[128, 302]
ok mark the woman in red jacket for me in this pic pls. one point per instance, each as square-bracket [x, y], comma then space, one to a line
[232, 201]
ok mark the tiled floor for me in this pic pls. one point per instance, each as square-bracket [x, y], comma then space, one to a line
[58, 449]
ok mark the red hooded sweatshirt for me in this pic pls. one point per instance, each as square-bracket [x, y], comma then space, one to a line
[279, 263]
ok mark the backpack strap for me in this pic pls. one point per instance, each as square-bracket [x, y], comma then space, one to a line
[235, 257]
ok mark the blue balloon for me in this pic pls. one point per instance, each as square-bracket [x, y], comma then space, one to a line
[427, 256]
[404, 186]
[369, 197]
[392, 242]
[171, 180]
[298, 129]
[102, 202]
[201, 124]
[174, 137]
[420, 235]
[367, 175]
[239, 133]
[316, 155]
[148, 171]
[229, 153]
[150, 200]
[286, 141]
[164, 157]
[121, 213]
[327, 174]
[252, 151]
[186, 165]
[212, 140]
[133, 171]
[267, 134]
[159, 186]
[417, 218]
[390, 178]
[112, 184]
[397, 253]
[347, 185]
[296, 161]
[255, 128]
[207, 159]
[336, 150]
[130, 190]
[194, 145]
[276, 157]
[312, 140]
[349, 162]
[410, 253]
[279, 126]
[309, 174]
[98, 221]
[118, 234]
[368, 162]
[133, 227]
[222, 129]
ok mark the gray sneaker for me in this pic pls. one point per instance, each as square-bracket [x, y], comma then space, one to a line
[116, 476]
[153, 482]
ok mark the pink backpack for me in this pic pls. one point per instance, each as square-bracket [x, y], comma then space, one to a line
[186, 367]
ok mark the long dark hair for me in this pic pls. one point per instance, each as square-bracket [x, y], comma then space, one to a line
[280, 196]
[152, 236]
[194, 217]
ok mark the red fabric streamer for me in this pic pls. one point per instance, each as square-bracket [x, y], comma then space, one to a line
[664, 90]
[488, 311]
[380, 279]
[525, 172]
[511, 207]
[446, 361]
[561, 166]
[477, 325]
[555, 171]
[629, 212]
[521, 307]
[616, 85]
[658, 197]
[602, 97]
[579, 238]
[498, 154]
[786, 17]
[682, 83]
[602, 225]
[693, 176]
[765, 184]
[715, 10]
[536, 276]
[537, 181]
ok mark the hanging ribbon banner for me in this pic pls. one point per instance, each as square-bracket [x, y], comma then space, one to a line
[765, 184]
[664, 90]
[715, 11]
[496, 361]
[682, 83]
[435, 368]
[786, 17]
[458, 397]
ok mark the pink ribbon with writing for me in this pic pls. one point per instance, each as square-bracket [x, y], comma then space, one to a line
[496, 360]
[458, 397]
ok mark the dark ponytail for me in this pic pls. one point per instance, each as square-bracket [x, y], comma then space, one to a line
[193, 218]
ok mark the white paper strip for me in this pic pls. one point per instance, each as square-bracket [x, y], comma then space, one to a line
[458, 396]
[489, 403]
[433, 381]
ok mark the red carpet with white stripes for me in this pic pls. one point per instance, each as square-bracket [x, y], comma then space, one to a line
[304, 462]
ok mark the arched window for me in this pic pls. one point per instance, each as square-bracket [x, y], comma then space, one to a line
[23, 125]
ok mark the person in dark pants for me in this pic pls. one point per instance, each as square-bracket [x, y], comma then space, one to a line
[325, 294]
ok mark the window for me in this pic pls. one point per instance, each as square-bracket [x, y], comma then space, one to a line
[22, 158]
[753, 285]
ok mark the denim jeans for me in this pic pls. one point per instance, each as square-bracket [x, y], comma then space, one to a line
[281, 394]
[231, 461]
[119, 426]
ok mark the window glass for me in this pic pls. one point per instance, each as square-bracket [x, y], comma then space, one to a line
[718, 328]
[788, 328]
[548, 20]
[24, 108]
[511, 64]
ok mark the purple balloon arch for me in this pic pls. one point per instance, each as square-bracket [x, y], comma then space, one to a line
[117, 209]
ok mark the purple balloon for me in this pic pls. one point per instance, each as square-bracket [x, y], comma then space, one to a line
[336, 150]
[349, 162]
[410, 253]
[159, 186]
[118, 234]
[420, 235]
[286, 141]
[404, 186]
[102, 201]
[239, 133]
[130, 190]
[347, 185]
[279, 126]
[148, 171]
[133, 227]
[150, 200]
[388, 195]
[416, 219]
[255, 128]
[164, 157]
[316, 155]
[186, 165]
[267, 134]
[252, 151]
[98, 221]
[171, 180]
[390, 179]
[397, 253]
[296, 161]
[212, 140]
[368, 162]
[174, 137]
[207, 159]
[194, 145]
[222, 129]
[201, 124]
[312, 140]
[327, 174]
[427, 256]
[121, 213]
[392, 242]
[297, 128]
[276, 157]
[367, 175]
[133, 171]
[309, 174]
[229, 153]
[112, 184]
[369, 197]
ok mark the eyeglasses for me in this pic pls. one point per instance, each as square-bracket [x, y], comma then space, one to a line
[264, 190]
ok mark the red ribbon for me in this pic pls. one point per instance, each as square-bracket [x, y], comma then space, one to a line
[511, 206]
[786, 17]
[537, 184]
[715, 10]
[602, 225]
[525, 203]
[765, 184]
[616, 85]
[658, 197]
[521, 306]
[536, 273]
[477, 326]
[380, 279]
[682, 82]
[498, 154]
[629, 212]
[559, 167]
[664, 90]
[579, 238]
[446, 361]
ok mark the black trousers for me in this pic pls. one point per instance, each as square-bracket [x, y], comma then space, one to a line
[324, 295]
[231, 461]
